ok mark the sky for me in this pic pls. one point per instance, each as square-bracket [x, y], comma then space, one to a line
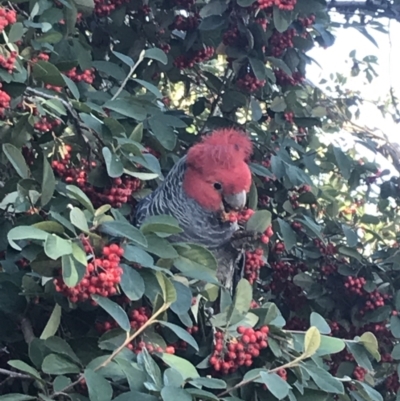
[336, 59]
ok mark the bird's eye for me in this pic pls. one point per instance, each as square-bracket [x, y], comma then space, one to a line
[217, 186]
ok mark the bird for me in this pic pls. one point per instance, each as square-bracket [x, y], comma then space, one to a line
[211, 180]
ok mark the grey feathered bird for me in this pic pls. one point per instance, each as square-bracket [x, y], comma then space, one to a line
[212, 178]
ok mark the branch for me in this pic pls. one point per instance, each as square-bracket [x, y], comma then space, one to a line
[130, 73]
[10, 373]
[129, 338]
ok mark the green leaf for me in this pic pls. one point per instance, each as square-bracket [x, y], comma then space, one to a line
[167, 288]
[16, 32]
[98, 387]
[259, 221]
[25, 233]
[183, 366]
[76, 193]
[282, 19]
[78, 219]
[114, 166]
[14, 156]
[47, 73]
[245, 3]
[135, 395]
[150, 87]
[259, 68]
[175, 393]
[351, 236]
[360, 355]
[48, 183]
[343, 162]
[126, 59]
[197, 262]
[151, 368]
[123, 230]
[370, 343]
[181, 333]
[72, 270]
[85, 6]
[396, 352]
[241, 301]
[132, 283]
[60, 382]
[320, 323]
[369, 219]
[289, 236]
[275, 384]
[55, 247]
[162, 225]
[24, 367]
[156, 54]
[55, 364]
[164, 133]
[324, 380]
[353, 253]
[278, 104]
[16, 397]
[60, 346]
[278, 63]
[330, 345]
[137, 133]
[312, 341]
[209, 382]
[395, 326]
[115, 311]
[72, 87]
[128, 107]
[183, 298]
[52, 324]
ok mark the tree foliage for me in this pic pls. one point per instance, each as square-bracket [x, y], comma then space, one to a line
[98, 100]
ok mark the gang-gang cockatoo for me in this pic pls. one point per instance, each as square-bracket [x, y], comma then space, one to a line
[212, 178]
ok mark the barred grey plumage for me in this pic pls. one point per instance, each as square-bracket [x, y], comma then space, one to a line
[199, 226]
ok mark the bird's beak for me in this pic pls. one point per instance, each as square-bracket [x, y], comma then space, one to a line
[236, 201]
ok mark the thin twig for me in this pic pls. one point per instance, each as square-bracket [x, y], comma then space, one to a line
[129, 339]
[131, 71]
[10, 373]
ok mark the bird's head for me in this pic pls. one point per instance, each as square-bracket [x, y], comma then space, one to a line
[217, 175]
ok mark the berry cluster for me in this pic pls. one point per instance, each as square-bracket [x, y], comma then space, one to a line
[359, 373]
[4, 101]
[8, 63]
[40, 57]
[7, 17]
[355, 285]
[249, 82]
[306, 22]
[279, 42]
[329, 249]
[289, 116]
[232, 37]
[392, 383]
[117, 194]
[189, 61]
[46, 124]
[229, 356]
[281, 4]
[102, 275]
[103, 8]
[284, 79]
[279, 248]
[254, 262]
[85, 76]
[137, 317]
[182, 23]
